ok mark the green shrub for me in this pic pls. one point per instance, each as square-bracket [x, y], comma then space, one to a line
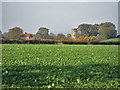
[29, 42]
[74, 42]
[106, 43]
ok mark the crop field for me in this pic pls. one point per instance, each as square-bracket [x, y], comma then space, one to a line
[59, 66]
[114, 39]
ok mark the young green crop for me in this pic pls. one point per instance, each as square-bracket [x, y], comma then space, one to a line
[60, 66]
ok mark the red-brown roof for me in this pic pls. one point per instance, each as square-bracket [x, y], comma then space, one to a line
[32, 38]
[26, 35]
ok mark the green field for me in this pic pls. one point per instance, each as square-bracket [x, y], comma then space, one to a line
[114, 39]
[59, 66]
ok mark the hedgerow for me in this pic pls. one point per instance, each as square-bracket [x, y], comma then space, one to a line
[94, 42]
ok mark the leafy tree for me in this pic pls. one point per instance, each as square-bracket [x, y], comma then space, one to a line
[78, 34]
[53, 36]
[93, 38]
[86, 39]
[4, 35]
[99, 38]
[42, 33]
[49, 37]
[81, 38]
[68, 36]
[85, 29]
[94, 30]
[14, 33]
[60, 36]
[107, 30]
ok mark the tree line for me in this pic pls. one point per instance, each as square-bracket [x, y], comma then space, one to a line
[100, 31]
[105, 30]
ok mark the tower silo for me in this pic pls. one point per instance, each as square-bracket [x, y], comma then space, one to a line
[74, 33]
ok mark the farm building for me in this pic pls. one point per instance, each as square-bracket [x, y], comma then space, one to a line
[26, 36]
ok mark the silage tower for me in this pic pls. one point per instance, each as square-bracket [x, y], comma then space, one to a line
[74, 33]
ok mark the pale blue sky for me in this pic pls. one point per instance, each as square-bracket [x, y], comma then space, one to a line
[59, 17]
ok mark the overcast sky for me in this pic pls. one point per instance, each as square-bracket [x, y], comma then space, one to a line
[58, 17]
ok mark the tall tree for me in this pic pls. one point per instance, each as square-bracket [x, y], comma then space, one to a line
[60, 36]
[52, 35]
[94, 30]
[68, 36]
[14, 33]
[42, 33]
[107, 30]
[4, 35]
[85, 29]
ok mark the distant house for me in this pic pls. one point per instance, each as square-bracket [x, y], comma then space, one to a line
[26, 36]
